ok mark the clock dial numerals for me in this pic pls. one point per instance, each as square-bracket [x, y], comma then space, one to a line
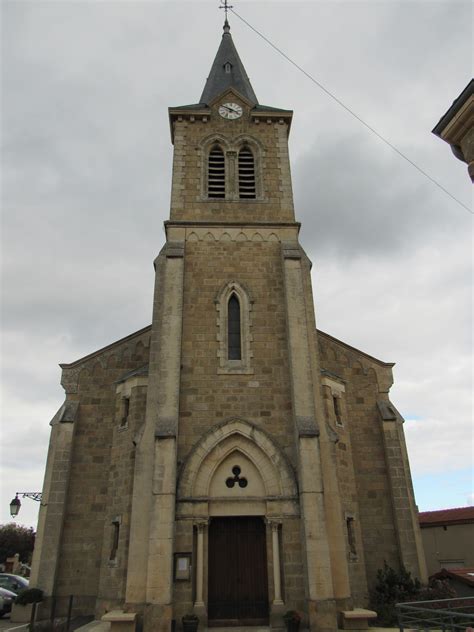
[230, 111]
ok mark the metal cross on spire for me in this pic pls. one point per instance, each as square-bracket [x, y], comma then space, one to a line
[226, 6]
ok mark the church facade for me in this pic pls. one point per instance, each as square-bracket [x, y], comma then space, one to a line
[230, 460]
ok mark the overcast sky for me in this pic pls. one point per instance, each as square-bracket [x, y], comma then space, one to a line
[86, 173]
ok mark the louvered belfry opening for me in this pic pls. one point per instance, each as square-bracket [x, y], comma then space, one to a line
[233, 329]
[246, 174]
[216, 173]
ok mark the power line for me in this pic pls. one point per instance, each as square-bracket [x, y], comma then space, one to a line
[356, 116]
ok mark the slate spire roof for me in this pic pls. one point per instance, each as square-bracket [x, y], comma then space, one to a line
[227, 72]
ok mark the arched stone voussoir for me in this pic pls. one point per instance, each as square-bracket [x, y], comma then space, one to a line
[236, 435]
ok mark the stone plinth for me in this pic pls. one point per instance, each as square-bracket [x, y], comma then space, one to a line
[121, 621]
[357, 619]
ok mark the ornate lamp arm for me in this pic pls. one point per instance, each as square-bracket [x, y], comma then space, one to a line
[16, 504]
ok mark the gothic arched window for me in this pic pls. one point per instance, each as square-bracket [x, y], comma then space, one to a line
[234, 347]
[247, 188]
[234, 327]
[216, 173]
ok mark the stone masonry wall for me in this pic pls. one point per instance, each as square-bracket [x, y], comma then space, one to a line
[188, 198]
[373, 485]
[348, 492]
[362, 469]
[122, 460]
[183, 595]
[292, 564]
[91, 381]
[263, 397]
[207, 398]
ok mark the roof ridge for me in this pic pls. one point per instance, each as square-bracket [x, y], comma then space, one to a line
[448, 509]
[97, 352]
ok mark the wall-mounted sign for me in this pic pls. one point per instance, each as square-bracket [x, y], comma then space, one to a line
[182, 566]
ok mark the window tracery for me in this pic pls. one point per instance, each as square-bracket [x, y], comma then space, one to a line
[236, 479]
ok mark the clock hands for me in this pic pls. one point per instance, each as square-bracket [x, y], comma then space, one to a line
[232, 109]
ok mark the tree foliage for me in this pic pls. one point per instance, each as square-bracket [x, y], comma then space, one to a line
[16, 539]
[396, 586]
[392, 587]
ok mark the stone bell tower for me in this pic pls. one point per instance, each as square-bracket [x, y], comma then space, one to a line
[235, 454]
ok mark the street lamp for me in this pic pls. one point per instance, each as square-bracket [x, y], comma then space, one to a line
[16, 503]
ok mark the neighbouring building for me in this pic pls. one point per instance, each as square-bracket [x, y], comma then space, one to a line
[230, 459]
[461, 580]
[448, 536]
[456, 127]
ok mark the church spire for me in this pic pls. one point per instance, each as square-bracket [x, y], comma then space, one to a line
[227, 72]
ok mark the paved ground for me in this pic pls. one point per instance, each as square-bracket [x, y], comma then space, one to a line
[5, 624]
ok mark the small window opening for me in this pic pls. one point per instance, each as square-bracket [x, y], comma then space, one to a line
[351, 535]
[337, 409]
[216, 173]
[233, 329]
[115, 539]
[246, 174]
[125, 411]
[227, 67]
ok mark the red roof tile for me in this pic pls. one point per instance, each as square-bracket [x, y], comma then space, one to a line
[459, 515]
[465, 575]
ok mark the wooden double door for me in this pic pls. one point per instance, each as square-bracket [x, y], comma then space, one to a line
[238, 586]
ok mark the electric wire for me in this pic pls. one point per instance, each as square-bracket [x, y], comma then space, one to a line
[356, 116]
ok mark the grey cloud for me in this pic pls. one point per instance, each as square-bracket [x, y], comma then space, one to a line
[87, 169]
[356, 199]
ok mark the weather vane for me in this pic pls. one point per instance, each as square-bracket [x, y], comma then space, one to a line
[226, 6]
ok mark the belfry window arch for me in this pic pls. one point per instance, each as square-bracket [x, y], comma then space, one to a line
[216, 180]
[248, 168]
[231, 170]
[234, 327]
[246, 175]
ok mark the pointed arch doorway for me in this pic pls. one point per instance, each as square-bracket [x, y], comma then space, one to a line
[237, 482]
[238, 583]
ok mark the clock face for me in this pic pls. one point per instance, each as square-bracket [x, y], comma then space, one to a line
[230, 111]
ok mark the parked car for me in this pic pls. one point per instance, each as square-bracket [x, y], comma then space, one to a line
[7, 597]
[13, 583]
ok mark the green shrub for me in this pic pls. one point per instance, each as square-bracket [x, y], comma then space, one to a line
[392, 587]
[29, 595]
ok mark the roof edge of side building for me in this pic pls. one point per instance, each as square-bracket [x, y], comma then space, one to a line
[98, 352]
